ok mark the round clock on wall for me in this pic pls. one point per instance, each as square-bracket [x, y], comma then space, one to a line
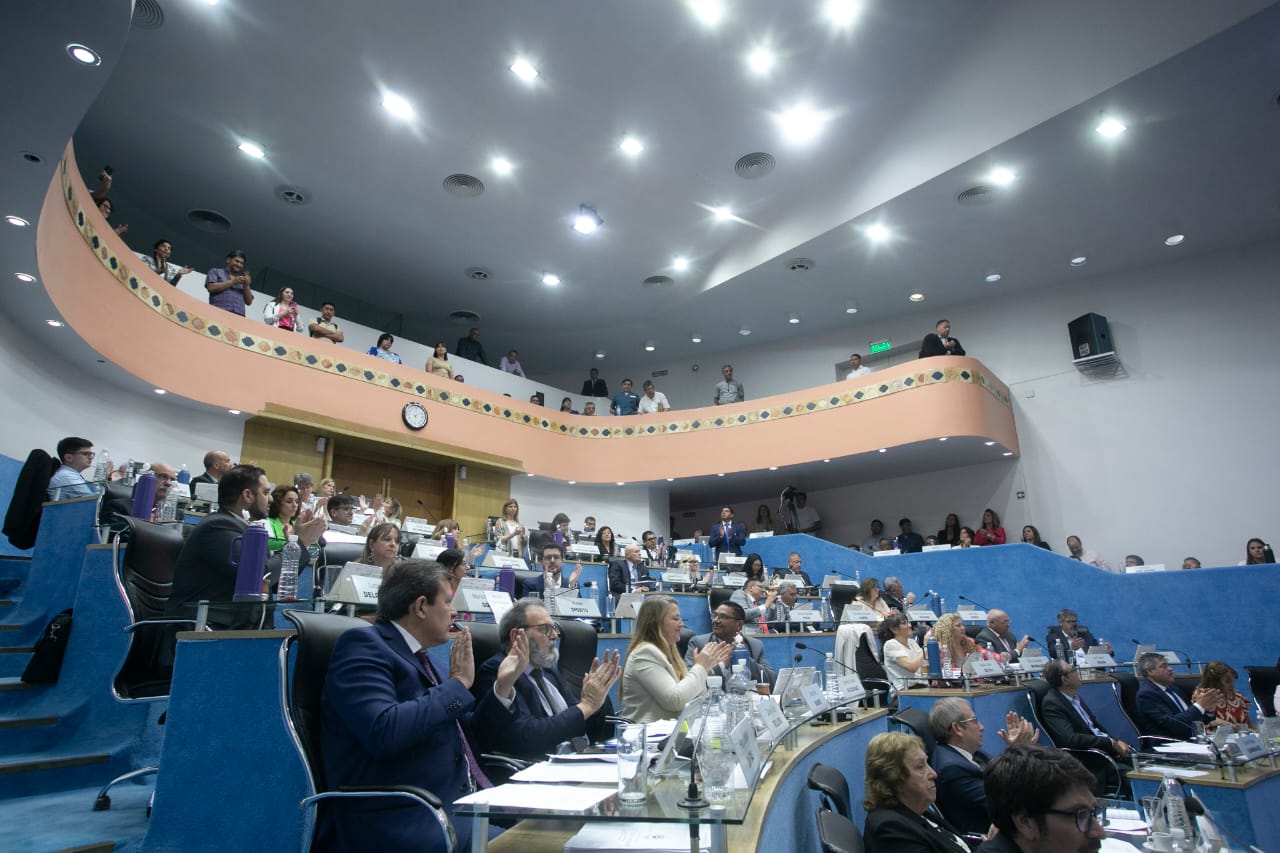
[415, 415]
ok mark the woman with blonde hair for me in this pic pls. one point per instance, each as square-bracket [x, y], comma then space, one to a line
[869, 594]
[655, 683]
[949, 629]
[509, 530]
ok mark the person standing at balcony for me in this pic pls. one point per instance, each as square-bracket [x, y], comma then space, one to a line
[728, 535]
[228, 285]
[856, 367]
[282, 312]
[940, 342]
[324, 327]
[626, 401]
[510, 363]
[158, 262]
[653, 401]
[470, 347]
[595, 386]
[728, 390]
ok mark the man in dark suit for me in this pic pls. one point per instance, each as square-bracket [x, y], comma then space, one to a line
[1040, 799]
[939, 341]
[728, 535]
[908, 542]
[629, 573]
[958, 760]
[388, 718]
[999, 638]
[216, 463]
[552, 571]
[1074, 636]
[1164, 709]
[1069, 722]
[541, 710]
[595, 386]
[726, 626]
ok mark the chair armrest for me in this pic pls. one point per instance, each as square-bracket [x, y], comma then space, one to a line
[514, 763]
[133, 626]
[418, 795]
[1109, 760]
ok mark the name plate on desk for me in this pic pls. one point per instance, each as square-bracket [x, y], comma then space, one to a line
[815, 702]
[677, 577]
[735, 580]
[475, 600]
[481, 584]
[1033, 663]
[1247, 746]
[1098, 661]
[577, 608]
[984, 668]
[921, 614]
[859, 613]
[428, 549]
[495, 560]
[775, 722]
[1142, 570]
[851, 686]
[807, 614]
[972, 615]
[366, 588]
[628, 604]
[418, 526]
[746, 749]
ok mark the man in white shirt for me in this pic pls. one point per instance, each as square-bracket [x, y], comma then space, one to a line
[872, 543]
[76, 456]
[807, 518]
[510, 363]
[1077, 552]
[652, 401]
[856, 367]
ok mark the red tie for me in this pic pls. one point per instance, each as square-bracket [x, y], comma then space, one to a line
[764, 623]
[477, 775]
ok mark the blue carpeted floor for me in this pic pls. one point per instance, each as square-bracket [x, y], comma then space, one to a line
[67, 820]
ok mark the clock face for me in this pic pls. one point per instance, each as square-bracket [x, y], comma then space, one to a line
[415, 416]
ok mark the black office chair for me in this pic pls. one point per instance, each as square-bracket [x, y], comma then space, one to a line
[682, 644]
[718, 595]
[832, 788]
[841, 596]
[1263, 681]
[838, 834]
[332, 558]
[917, 721]
[972, 631]
[1109, 778]
[317, 634]
[872, 673]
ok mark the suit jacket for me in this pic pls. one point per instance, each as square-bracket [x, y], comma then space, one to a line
[620, 576]
[998, 642]
[1055, 633]
[932, 345]
[961, 796]
[739, 597]
[594, 389]
[538, 584]
[526, 729]
[1159, 715]
[901, 830]
[733, 544]
[648, 689]
[383, 723]
[203, 478]
[1065, 728]
[760, 668]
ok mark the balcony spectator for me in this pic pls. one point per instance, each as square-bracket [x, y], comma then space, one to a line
[470, 347]
[228, 285]
[510, 363]
[282, 312]
[158, 262]
[324, 327]
[383, 348]
[439, 364]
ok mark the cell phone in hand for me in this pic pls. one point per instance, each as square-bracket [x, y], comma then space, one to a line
[108, 171]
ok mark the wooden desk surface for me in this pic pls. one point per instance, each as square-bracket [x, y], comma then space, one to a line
[975, 690]
[1246, 777]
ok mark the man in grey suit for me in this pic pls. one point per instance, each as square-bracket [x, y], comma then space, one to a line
[726, 626]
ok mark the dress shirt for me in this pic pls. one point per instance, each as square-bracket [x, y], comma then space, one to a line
[510, 366]
[1084, 715]
[71, 484]
[861, 370]
[649, 405]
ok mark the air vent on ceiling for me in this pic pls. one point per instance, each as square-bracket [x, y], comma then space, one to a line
[463, 186]
[478, 273]
[464, 317]
[799, 264]
[754, 165]
[296, 196]
[209, 220]
[978, 194]
[658, 281]
[32, 157]
[147, 15]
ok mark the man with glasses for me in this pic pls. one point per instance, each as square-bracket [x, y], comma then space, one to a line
[726, 626]
[1040, 802]
[552, 571]
[543, 714]
[1164, 708]
[166, 476]
[655, 555]
[999, 638]
[958, 760]
[76, 456]
[1074, 636]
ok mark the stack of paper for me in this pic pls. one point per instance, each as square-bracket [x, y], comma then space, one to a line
[588, 772]
[634, 837]
[559, 798]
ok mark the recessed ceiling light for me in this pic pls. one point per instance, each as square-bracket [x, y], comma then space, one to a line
[801, 123]
[720, 474]
[722, 214]
[1171, 240]
[501, 166]
[528, 475]
[793, 319]
[944, 438]
[22, 276]
[17, 221]
[680, 263]
[630, 146]
[524, 69]
[160, 391]
[211, 2]
[620, 483]
[993, 278]
[744, 331]
[850, 308]
[989, 443]
[1002, 177]
[57, 324]
[826, 460]
[600, 353]
[1111, 128]
[841, 13]
[883, 450]
[761, 60]
[649, 347]
[233, 411]
[696, 338]
[551, 279]
[573, 482]
[671, 479]
[773, 467]
[916, 297]
[1079, 261]
[709, 12]
[252, 149]
[398, 106]
[587, 220]
[877, 232]
[83, 55]
[1007, 453]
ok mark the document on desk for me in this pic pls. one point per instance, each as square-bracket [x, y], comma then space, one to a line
[1199, 750]
[629, 837]
[560, 798]
[1169, 770]
[586, 772]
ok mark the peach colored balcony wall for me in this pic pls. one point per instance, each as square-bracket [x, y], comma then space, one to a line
[130, 315]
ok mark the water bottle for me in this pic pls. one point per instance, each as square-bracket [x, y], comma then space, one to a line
[740, 655]
[184, 476]
[857, 576]
[169, 506]
[290, 558]
[102, 468]
[1059, 653]
[830, 679]
[608, 605]
[944, 655]
[738, 697]
[1173, 807]
[942, 605]
[715, 756]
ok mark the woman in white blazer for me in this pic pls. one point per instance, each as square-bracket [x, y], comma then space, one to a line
[655, 683]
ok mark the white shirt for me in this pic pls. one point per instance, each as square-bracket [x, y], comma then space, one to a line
[861, 370]
[649, 406]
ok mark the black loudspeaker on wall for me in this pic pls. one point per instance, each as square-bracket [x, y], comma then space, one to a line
[1090, 336]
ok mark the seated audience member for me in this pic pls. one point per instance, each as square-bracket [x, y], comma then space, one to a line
[728, 535]
[1132, 560]
[595, 386]
[949, 630]
[871, 544]
[280, 512]
[807, 518]
[203, 572]
[727, 624]
[899, 794]
[454, 563]
[1031, 536]
[1076, 551]
[869, 594]
[543, 716]
[903, 657]
[950, 532]
[764, 520]
[728, 390]
[755, 602]
[306, 486]
[625, 402]
[216, 463]
[324, 325]
[105, 207]
[552, 558]
[566, 406]
[76, 456]
[1041, 801]
[341, 510]
[990, 533]
[656, 684]
[650, 551]
[885, 544]
[779, 616]
[930, 541]
[1164, 709]
[282, 312]
[1234, 707]
[536, 398]
[166, 476]
[384, 510]
[438, 364]
[856, 367]
[1067, 719]
[999, 638]
[158, 262]
[966, 538]
[383, 348]
[382, 546]
[448, 531]
[228, 285]
[1190, 563]
[652, 400]
[470, 347]
[1074, 638]
[589, 408]
[893, 596]
[795, 566]
[629, 573]
[753, 567]
[958, 760]
[940, 342]
[510, 363]
[389, 718]
[908, 542]
[1257, 553]
[605, 543]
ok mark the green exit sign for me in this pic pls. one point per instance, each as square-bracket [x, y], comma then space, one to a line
[879, 346]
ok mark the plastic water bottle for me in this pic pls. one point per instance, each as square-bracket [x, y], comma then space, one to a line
[857, 576]
[290, 558]
[184, 476]
[715, 756]
[831, 679]
[1059, 652]
[738, 696]
[944, 655]
[1173, 807]
[169, 506]
[942, 605]
[102, 468]
[608, 605]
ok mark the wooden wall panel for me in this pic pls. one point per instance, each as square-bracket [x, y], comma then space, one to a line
[282, 449]
[479, 496]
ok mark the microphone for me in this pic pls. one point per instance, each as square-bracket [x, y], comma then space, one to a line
[346, 488]
[971, 601]
[839, 662]
[928, 595]
[797, 658]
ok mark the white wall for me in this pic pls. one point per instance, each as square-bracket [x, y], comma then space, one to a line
[629, 510]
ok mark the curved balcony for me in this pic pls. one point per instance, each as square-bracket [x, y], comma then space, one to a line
[136, 320]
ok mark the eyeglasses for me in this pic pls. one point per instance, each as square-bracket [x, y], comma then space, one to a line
[1085, 817]
[89, 453]
[549, 630]
[724, 617]
[966, 721]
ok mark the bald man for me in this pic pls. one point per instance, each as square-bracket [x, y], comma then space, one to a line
[166, 478]
[998, 636]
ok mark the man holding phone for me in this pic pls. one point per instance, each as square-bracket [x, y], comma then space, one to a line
[228, 285]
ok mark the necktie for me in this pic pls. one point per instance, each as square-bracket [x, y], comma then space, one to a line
[477, 775]
[1177, 700]
[551, 695]
[764, 622]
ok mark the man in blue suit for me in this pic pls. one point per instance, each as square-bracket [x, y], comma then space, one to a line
[728, 535]
[552, 569]
[388, 718]
[958, 760]
[1164, 709]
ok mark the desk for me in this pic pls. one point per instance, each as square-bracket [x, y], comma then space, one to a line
[1246, 808]
[991, 702]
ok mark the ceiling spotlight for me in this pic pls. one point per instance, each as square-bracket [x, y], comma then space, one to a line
[630, 146]
[22, 276]
[721, 474]
[851, 308]
[841, 13]
[1079, 261]
[761, 60]
[620, 483]
[501, 166]
[944, 438]
[1002, 177]
[587, 220]
[722, 214]
[993, 278]
[826, 460]
[916, 297]
[793, 319]
[801, 123]
[252, 149]
[551, 279]
[17, 221]
[680, 263]
[233, 411]
[83, 55]
[160, 391]
[524, 69]
[57, 324]
[877, 233]
[1007, 453]
[989, 443]
[599, 354]
[397, 106]
[1171, 240]
[212, 3]
[1110, 128]
[671, 479]
[649, 347]
[744, 331]
[773, 467]
[696, 338]
[883, 450]
[709, 12]
[528, 475]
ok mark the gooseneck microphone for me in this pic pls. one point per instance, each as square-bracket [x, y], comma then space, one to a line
[979, 604]
[839, 662]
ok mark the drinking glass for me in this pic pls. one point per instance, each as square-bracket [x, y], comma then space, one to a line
[633, 770]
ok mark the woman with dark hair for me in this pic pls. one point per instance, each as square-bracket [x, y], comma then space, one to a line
[990, 533]
[903, 657]
[439, 364]
[605, 544]
[561, 535]
[281, 512]
[1257, 552]
[1234, 708]
[898, 795]
[566, 406]
[383, 349]
[764, 520]
[754, 567]
[869, 594]
[158, 262]
[950, 532]
[282, 312]
[1031, 536]
[966, 538]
